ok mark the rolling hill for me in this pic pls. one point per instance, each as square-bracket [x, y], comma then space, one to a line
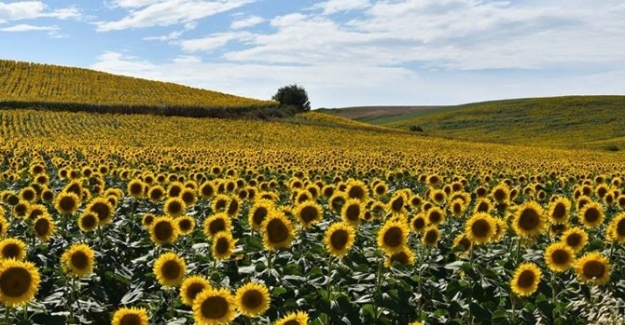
[590, 122]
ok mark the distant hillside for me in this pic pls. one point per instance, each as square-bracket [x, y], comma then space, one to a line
[378, 114]
[25, 84]
[592, 122]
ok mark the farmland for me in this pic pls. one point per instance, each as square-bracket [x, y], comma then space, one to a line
[332, 224]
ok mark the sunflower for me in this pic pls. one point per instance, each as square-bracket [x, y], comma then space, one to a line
[28, 194]
[67, 203]
[480, 228]
[88, 221]
[559, 257]
[593, 268]
[418, 223]
[405, 257]
[207, 190]
[462, 239]
[44, 227]
[438, 196]
[308, 213]
[591, 215]
[339, 238]
[435, 216]
[102, 208]
[483, 205]
[457, 208]
[169, 269]
[136, 188]
[294, 318]
[431, 236]
[396, 203]
[19, 282]
[130, 316]
[213, 307]
[575, 237]
[78, 260]
[35, 210]
[191, 287]
[222, 245]
[188, 196]
[174, 207]
[252, 299]
[500, 230]
[525, 280]
[186, 224]
[278, 231]
[357, 190]
[147, 220]
[559, 210]
[21, 208]
[156, 193]
[352, 211]
[12, 248]
[234, 207]
[47, 195]
[337, 201]
[216, 223]
[258, 212]
[392, 236]
[220, 203]
[529, 220]
[164, 230]
[617, 228]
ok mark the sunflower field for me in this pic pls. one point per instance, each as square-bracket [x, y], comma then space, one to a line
[128, 219]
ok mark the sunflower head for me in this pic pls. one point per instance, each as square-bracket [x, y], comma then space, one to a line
[358, 190]
[526, 279]
[164, 230]
[339, 238]
[294, 318]
[78, 260]
[480, 228]
[392, 236]
[191, 287]
[593, 268]
[130, 316]
[559, 257]
[529, 220]
[252, 299]
[591, 215]
[462, 239]
[101, 207]
[222, 245]
[352, 212]
[88, 221]
[186, 224]
[575, 237]
[258, 212]
[19, 282]
[216, 223]
[431, 236]
[214, 306]
[44, 227]
[170, 269]
[404, 257]
[308, 213]
[435, 216]
[67, 203]
[156, 193]
[278, 231]
[136, 188]
[418, 223]
[617, 228]
[174, 207]
[12, 248]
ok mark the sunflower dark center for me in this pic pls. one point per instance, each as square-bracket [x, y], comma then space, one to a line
[214, 307]
[103, 210]
[292, 322]
[400, 257]
[252, 299]
[174, 207]
[559, 211]
[277, 231]
[353, 212]
[130, 319]
[89, 221]
[457, 208]
[15, 282]
[620, 228]
[431, 237]
[188, 197]
[466, 243]
[217, 225]
[309, 214]
[233, 207]
[574, 240]
[435, 216]
[185, 224]
[220, 204]
[42, 226]
[397, 204]
[11, 251]
[418, 223]
[439, 197]
[222, 246]
[592, 215]
[529, 219]
[80, 260]
[356, 192]
[481, 228]
[393, 237]
[526, 279]
[171, 270]
[560, 257]
[67, 203]
[482, 207]
[593, 269]
[259, 215]
[339, 239]
[163, 230]
[136, 189]
[193, 290]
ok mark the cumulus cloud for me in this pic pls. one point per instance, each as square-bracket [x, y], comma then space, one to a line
[247, 22]
[28, 28]
[21, 10]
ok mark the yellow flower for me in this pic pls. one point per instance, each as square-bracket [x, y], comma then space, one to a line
[191, 287]
[174, 207]
[216, 223]
[559, 210]
[170, 269]
[222, 245]
[294, 318]
[130, 316]
[559, 257]
[44, 227]
[186, 224]
[213, 307]
[617, 228]
[278, 232]
[339, 238]
[591, 215]
[393, 236]
[164, 230]
[308, 213]
[593, 268]
[575, 237]
[525, 280]
[19, 282]
[67, 203]
[102, 208]
[258, 212]
[78, 260]
[431, 235]
[480, 228]
[12, 248]
[529, 220]
[405, 257]
[252, 299]
[352, 211]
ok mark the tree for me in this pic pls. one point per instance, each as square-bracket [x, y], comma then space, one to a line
[293, 95]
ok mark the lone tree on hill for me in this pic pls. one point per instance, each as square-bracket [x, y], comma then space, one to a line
[293, 95]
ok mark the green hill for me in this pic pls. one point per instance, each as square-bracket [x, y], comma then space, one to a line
[31, 85]
[591, 122]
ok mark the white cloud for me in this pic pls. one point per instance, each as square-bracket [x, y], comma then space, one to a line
[215, 41]
[144, 14]
[335, 6]
[247, 22]
[28, 28]
[33, 9]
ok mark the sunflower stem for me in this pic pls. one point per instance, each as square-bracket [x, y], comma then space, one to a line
[329, 280]
[513, 316]
[554, 312]
[7, 314]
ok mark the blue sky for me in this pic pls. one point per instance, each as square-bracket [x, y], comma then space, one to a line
[344, 52]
